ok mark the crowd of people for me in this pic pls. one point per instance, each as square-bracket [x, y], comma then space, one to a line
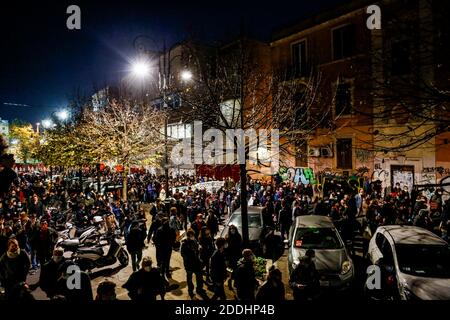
[187, 220]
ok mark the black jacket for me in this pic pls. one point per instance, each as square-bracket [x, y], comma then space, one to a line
[14, 270]
[270, 293]
[164, 238]
[135, 239]
[143, 285]
[48, 279]
[190, 254]
[245, 281]
[218, 268]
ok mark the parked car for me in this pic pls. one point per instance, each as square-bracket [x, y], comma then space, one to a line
[415, 263]
[255, 226]
[333, 262]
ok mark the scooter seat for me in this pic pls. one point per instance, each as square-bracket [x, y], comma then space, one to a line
[98, 251]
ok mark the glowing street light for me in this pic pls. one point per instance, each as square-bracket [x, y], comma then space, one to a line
[186, 75]
[47, 123]
[62, 115]
[140, 69]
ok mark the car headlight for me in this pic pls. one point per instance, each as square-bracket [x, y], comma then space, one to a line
[346, 267]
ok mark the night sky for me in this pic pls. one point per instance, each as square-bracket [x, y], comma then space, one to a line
[43, 63]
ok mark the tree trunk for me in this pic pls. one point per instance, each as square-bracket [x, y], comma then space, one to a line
[98, 179]
[124, 183]
[244, 207]
[80, 177]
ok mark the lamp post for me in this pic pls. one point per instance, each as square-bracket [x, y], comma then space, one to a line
[141, 69]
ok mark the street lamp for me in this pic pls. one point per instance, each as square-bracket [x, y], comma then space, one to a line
[140, 69]
[47, 123]
[62, 115]
[186, 75]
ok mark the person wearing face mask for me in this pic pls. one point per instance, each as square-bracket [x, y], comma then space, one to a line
[273, 289]
[245, 278]
[304, 279]
[14, 267]
[146, 283]
[46, 240]
[51, 272]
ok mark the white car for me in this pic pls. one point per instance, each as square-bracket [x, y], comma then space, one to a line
[333, 262]
[417, 263]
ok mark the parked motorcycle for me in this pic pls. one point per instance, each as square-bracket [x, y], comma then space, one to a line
[88, 258]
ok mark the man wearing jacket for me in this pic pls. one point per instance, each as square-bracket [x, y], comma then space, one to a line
[192, 263]
[219, 269]
[14, 267]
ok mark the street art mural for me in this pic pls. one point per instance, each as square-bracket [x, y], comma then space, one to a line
[297, 175]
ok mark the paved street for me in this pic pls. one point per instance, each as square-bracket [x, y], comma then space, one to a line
[178, 282]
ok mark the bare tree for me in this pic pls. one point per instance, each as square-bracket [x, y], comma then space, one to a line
[409, 84]
[236, 88]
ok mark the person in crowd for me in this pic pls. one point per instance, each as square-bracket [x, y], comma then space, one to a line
[14, 267]
[245, 278]
[304, 279]
[135, 243]
[36, 207]
[212, 222]
[219, 269]
[146, 283]
[50, 273]
[234, 249]
[198, 224]
[192, 263]
[164, 240]
[74, 284]
[206, 242]
[272, 290]
[106, 291]
[45, 242]
[284, 219]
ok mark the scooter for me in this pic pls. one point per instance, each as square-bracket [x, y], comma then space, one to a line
[88, 236]
[88, 258]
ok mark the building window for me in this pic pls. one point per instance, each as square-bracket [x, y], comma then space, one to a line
[344, 42]
[343, 101]
[179, 130]
[344, 153]
[401, 63]
[299, 60]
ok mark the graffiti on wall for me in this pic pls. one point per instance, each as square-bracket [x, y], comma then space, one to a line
[440, 170]
[297, 175]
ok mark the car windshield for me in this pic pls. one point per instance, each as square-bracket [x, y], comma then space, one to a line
[254, 220]
[317, 238]
[424, 260]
